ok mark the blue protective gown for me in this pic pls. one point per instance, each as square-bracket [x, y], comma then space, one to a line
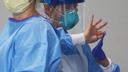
[33, 45]
[28, 46]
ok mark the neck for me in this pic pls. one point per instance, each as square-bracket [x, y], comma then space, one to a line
[29, 12]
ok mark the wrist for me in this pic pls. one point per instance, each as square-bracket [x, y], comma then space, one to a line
[108, 66]
[104, 62]
[86, 37]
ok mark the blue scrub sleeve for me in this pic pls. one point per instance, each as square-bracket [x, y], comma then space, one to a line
[116, 68]
[67, 46]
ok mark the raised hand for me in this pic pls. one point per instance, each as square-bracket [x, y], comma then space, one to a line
[93, 32]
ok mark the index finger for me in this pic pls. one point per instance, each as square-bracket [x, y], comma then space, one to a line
[92, 19]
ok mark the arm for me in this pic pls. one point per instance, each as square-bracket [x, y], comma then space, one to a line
[78, 39]
[104, 62]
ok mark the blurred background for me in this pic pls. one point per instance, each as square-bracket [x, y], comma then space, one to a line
[112, 11]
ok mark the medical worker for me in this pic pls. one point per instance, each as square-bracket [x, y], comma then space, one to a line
[54, 9]
[29, 43]
[26, 43]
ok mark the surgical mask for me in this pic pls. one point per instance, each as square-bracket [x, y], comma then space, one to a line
[17, 6]
[69, 19]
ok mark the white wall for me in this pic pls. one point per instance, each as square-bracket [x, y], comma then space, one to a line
[115, 12]
[112, 11]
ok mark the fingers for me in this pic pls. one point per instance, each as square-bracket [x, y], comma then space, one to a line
[96, 37]
[92, 19]
[101, 26]
[98, 22]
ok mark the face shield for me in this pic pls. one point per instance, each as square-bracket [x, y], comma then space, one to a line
[65, 13]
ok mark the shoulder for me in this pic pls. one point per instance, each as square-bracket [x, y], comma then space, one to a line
[36, 30]
[35, 25]
[38, 23]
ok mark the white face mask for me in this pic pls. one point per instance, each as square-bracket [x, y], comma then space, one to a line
[17, 6]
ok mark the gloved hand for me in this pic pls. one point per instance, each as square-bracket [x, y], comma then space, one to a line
[98, 52]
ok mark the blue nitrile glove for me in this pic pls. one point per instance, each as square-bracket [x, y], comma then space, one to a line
[98, 52]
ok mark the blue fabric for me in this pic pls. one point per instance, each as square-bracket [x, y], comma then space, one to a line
[32, 45]
[58, 2]
[92, 64]
[65, 41]
[71, 60]
[28, 46]
[116, 68]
